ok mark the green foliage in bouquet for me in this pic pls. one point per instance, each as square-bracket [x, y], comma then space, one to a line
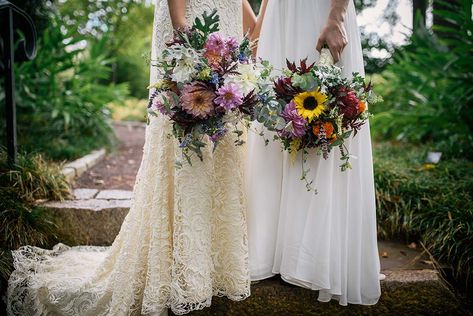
[430, 203]
[61, 97]
[427, 90]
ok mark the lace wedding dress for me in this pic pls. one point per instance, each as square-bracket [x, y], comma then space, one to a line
[327, 241]
[183, 240]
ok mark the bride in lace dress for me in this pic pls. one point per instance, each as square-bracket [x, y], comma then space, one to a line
[184, 238]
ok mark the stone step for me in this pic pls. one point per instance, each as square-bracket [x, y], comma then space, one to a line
[93, 218]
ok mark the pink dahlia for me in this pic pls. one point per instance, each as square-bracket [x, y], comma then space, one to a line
[229, 96]
[197, 100]
[215, 45]
[299, 123]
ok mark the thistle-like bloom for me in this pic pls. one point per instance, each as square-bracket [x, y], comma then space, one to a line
[291, 115]
[229, 97]
[197, 100]
[310, 104]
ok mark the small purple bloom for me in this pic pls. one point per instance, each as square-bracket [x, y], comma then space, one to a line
[298, 122]
[157, 105]
[215, 79]
[229, 97]
[243, 58]
[215, 137]
[232, 44]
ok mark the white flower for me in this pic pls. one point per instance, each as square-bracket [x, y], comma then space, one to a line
[186, 60]
[246, 79]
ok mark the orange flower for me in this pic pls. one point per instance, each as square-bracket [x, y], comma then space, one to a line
[361, 106]
[329, 131]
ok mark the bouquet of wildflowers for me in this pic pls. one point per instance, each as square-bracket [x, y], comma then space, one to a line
[314, 106]
[208, 85]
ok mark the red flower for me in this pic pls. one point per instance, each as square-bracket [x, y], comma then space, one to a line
[348, 103]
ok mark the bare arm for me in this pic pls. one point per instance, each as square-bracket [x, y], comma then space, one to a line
[334, 33]
[259, 22]
[249, 18]
[177, 10]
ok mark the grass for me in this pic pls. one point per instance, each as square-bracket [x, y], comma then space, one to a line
[22, 222]
[431, 203]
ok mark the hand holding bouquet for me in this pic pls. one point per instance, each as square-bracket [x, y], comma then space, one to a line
[208, 85]
[314, 106]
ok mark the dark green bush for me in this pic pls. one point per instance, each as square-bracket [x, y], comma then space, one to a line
[22, 222]
[432, 203]
[61, 100]
[427, 89]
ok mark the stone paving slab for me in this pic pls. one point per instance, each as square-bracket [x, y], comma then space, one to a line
[91, 204]
[114, 195]
[85, 194]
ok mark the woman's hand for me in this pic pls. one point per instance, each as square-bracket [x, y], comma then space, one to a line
[334, 33]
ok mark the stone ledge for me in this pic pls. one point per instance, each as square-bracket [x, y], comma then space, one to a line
[88, 205]
[411, 276]
[79, 166]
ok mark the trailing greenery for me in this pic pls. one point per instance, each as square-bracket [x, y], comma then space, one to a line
[61, 100]
[432, 203]
[427, 89]
[21, 221]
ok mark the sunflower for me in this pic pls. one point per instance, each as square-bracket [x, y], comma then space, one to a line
[310, 104]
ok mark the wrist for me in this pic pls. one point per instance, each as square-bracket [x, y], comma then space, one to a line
[337, 15]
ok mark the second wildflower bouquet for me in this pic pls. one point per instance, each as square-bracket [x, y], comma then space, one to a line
[314, 106]
[207, 87]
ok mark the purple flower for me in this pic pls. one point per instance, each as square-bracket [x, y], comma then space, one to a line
[216, 44]
[232, 44]
[299, 123]
[229, 96]
[215, 137]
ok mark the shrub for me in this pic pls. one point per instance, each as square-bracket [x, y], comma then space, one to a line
[61, 101]
[21, 221]
[426, 202]
[427, 89]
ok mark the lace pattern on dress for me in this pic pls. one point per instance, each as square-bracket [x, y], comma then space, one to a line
[183, 240]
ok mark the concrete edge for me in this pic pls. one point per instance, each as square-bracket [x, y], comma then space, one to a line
[77, 167]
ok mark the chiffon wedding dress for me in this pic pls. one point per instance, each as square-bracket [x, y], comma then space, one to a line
[183, 240]
[324, 241]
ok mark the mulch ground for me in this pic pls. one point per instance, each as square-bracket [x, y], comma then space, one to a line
[118, 169]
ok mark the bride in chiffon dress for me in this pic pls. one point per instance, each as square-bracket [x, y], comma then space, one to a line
[183, 240]
[325, 241]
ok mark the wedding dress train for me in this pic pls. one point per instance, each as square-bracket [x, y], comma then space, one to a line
[183, 240]
[327, 241]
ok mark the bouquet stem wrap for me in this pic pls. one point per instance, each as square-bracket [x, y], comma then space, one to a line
[326, 58]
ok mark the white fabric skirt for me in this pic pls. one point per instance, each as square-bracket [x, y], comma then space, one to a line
[325, 241]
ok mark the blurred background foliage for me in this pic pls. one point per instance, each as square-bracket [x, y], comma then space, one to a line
[91, 68]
